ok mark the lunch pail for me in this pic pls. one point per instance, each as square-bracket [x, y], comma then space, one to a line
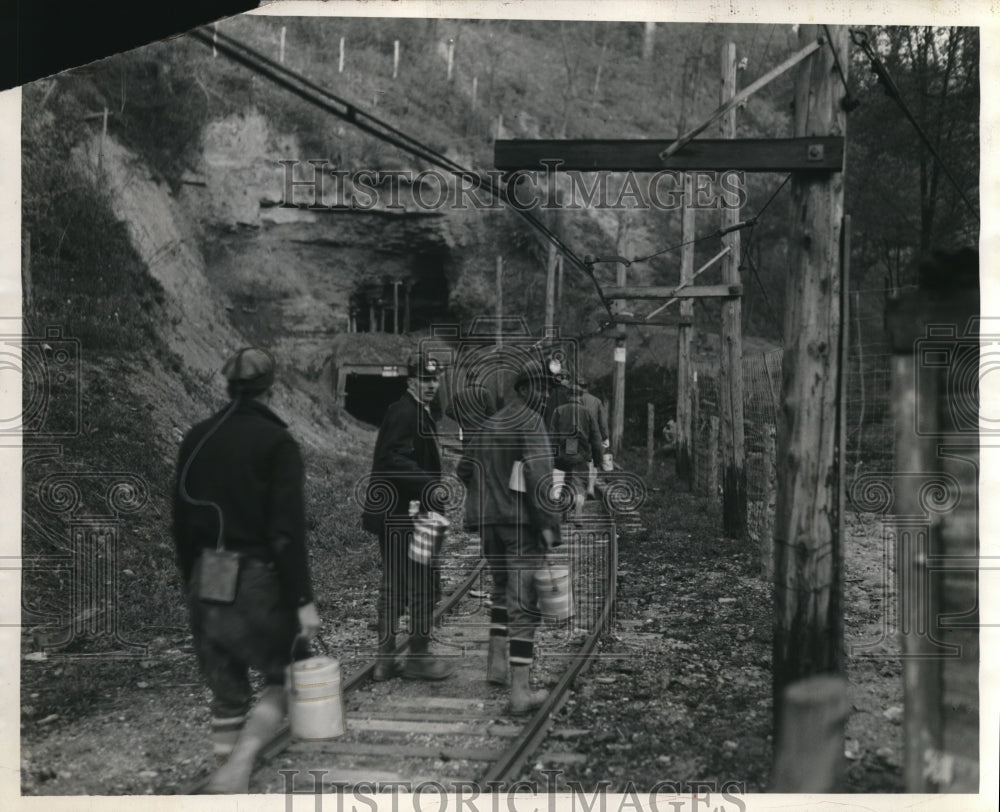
[315, 703]
[554, 590]
[429, 531]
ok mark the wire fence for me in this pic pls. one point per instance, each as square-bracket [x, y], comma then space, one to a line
[869, 438]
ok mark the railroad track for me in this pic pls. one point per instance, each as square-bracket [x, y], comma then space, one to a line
[457, 733]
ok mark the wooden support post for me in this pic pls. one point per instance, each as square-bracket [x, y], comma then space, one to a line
[281, 47]
[650, 423]
[395, 58]
[395, 306]
[807, 573]
[811, 755]
[340, 62]
[712, 483]
[734, 481]
[685, 337]
[381, 319]
[919, 592]
[371, 316]
[406, 308]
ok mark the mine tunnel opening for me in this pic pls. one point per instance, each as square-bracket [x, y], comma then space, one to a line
[368, 397]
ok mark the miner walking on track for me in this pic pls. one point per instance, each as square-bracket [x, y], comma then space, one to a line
[405, 470]
[239, 529]
[507, 469]
[577, 438]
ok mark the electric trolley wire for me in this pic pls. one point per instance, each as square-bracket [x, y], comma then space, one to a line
[298, 85]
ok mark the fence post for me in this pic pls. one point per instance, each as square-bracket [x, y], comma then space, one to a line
[713, 462]
[650, 422]
[767, 530]
[695, 433]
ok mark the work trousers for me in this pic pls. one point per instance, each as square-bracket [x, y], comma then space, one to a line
[255, 631]
[405, 582]
[513, 553]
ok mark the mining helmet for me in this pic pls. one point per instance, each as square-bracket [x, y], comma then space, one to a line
[421, 366]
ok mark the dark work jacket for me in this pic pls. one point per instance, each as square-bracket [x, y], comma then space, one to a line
[573, 421]
[470, 407]
[252, 469]
[406, 463]
[513, 433]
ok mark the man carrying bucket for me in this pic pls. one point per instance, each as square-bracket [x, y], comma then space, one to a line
[239, 529]
[406, 467]
[507, 468]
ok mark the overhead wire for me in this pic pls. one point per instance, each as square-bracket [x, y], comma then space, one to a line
[302, 87]
[860, 38]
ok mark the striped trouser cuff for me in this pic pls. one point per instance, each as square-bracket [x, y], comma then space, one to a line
[225, 732]
[521, 652]
[498, 621]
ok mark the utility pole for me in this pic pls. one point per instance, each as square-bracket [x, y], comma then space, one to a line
[808, 623]
[734, 482]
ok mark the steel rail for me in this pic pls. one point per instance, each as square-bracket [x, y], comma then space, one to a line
[507, 765]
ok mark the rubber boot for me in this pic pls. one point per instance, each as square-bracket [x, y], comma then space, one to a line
[496, 660]
[263, 722]
[522, 698]
[421, 664]
[386, 666]
[225, 733]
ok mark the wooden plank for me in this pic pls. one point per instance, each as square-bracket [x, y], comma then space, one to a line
[819, 153]
[431, 728]
[659, 292]
[395, 750]
[442, 715]
[679, 321]
[730, 98]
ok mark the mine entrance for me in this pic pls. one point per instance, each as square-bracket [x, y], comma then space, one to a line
[368, 396]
